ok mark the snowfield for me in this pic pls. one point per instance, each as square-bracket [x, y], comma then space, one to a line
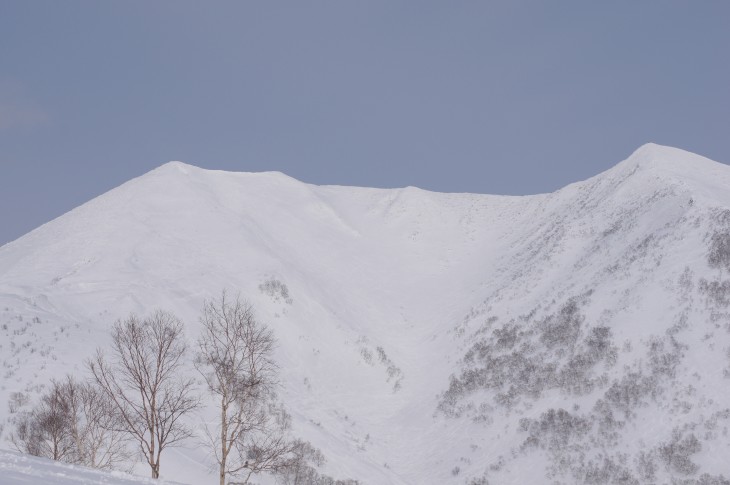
[581, 336]
[17, 469]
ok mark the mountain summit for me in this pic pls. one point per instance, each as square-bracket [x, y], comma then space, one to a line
[580, 336]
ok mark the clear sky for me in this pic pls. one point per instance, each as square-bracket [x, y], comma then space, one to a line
[508, 97]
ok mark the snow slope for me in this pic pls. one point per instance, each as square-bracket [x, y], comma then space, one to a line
[576, 337]
[17, 469]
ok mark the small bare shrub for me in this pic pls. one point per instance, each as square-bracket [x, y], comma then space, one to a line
[562, 330]
[677, 451]
[606, 471]
[394, 373]
[718, 292]
[367, 356]
[645, 466]
[718, 255]
[276, 289]
[707, 479]
[555, 429]
[74, 423]
[17, 400]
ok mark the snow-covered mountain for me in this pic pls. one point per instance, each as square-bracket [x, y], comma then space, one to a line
[581, 336]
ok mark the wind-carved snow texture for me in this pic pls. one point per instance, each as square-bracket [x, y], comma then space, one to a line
[578, 337]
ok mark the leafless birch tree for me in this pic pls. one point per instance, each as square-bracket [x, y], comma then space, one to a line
[93, 425]
[235, 359]
[73, 423]
[45, 431]
[144, 383]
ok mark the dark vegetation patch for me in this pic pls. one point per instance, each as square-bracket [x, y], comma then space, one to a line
[676, 453]
[521, 359]
[556, 428]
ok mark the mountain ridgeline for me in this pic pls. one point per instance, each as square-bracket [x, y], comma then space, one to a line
[581, 336]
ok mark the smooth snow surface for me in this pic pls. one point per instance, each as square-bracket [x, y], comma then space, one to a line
[536, 313]
[17, 469]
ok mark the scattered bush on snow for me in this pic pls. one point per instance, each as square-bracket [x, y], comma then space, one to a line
[276, 289]
[676, 453]
[555, 429]
[303, 468]
[517, 361]
[718, 255]
[394, 372]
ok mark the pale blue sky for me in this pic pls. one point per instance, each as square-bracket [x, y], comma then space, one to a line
[510, 97]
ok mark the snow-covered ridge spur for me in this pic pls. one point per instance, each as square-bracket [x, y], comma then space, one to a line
[573, 337]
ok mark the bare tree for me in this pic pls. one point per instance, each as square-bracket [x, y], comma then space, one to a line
[235, 360]
[94, 427]
[72, 423]
[45, 431]
[144, 384]
[303, 466]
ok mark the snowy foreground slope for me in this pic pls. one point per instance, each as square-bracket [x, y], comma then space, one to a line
[17, 469]
[581, 336]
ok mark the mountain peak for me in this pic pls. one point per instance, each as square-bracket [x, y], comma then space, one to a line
[653, 165]
[176, 167]
[654, 156]
[652, 150]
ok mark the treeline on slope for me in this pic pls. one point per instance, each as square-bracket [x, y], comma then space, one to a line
[138, 396]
